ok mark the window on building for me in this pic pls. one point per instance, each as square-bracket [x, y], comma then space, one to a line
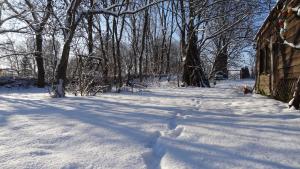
[268, 60]
[261, 61]
[265, 61]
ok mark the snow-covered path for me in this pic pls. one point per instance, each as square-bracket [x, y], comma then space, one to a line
[167, 128]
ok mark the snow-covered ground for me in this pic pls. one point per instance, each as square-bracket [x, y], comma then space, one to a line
[167, 128]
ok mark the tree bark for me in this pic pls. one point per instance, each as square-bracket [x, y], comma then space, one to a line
[193, 74]
[61, 72]
[134, 44]
[221, 61]
[114, 28]
[39, 60]
[143, 45]
[90, 30]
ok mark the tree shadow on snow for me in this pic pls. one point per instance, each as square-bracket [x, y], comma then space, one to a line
[125, 118]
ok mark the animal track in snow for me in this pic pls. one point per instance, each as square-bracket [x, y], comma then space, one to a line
[196, 102]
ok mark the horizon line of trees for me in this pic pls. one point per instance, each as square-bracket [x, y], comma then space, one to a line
[82, 44]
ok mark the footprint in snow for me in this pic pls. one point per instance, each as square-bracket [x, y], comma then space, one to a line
[174, 133]
[153, 158]
[153, 139]
[186, 116]
[172, 123]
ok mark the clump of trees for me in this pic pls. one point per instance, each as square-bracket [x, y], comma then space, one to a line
[90, 45]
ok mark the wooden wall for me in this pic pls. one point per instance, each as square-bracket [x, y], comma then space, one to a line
[264, 84]
[285, 60]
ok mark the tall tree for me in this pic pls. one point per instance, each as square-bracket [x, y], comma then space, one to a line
[193, 74]
[37, 24]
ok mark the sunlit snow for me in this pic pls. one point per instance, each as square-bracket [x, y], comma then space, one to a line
[155, 128]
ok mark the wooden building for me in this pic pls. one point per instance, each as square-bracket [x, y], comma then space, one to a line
[278, 51]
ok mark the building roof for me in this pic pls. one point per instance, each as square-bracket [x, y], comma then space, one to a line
[268, 18]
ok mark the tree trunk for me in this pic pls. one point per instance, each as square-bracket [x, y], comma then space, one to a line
[61, 72]
[134, 44]
[146, 72]
[193, 74]
[114, 50]
[221, 62]
[192, 68]
[183, 31]
[39, 60]
[105, 63]
[162, 56]
[90, 30]
[143, 45]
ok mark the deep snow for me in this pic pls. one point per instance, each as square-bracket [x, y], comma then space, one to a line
[167, 128]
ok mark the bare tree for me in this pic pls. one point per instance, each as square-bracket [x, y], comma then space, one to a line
[37, 24]
[98, 43]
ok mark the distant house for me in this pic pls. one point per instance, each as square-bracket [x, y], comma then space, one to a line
[278, 51]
